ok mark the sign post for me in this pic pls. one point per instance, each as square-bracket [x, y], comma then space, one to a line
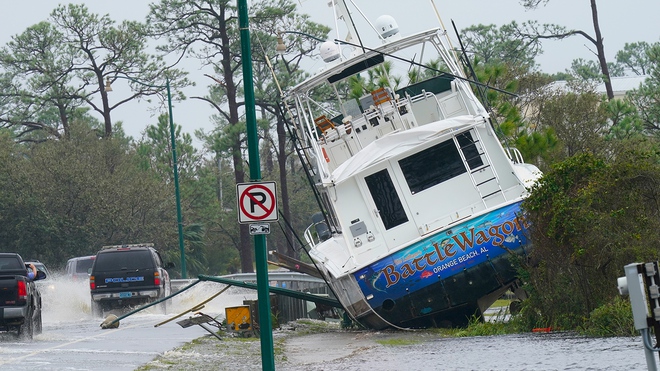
[260, 253]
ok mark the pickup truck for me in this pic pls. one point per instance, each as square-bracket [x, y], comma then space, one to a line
[20, 301]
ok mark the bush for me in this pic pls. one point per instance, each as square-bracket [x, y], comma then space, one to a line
[612, 319]
[589, 217]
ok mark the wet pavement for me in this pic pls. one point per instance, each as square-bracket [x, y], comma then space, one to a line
[338, 350]
[394, 351]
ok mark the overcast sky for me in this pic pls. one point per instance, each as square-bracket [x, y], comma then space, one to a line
[620, 21]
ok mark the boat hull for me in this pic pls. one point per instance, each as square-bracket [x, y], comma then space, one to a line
[446, 278]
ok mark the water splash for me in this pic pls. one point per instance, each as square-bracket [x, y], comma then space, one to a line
[64, 300]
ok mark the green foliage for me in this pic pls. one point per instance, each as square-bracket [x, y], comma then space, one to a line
[377, 77]
[68, 198]
[579, 121]
[515, 126]
[494, 45]
[590, 70]
[646, 97]
[611, 319]
[477, 327]
[432, 68]
[590, 217]
[634, 58]
[56, 67]
[626, 123]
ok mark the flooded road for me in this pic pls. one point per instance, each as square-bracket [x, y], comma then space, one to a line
[73, 340]
[82, 345]
[387, 351]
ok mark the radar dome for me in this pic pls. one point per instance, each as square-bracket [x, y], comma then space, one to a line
[329, 51]
[387, 26]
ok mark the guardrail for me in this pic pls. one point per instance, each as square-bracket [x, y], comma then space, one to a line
[248, 280]
[178, 284]
[275, 277]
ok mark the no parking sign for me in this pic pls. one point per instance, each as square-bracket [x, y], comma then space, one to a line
[256, 202]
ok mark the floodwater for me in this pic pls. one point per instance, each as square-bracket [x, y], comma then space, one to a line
[551, 351]
[427, 350]
[64, 300]
[66, 305]
[73, 340]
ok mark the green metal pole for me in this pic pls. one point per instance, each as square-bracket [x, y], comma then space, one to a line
[184, 273]
[263, 295]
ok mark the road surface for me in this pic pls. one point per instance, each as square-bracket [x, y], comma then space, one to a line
[73, 340]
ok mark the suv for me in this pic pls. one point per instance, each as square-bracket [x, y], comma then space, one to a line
[78, 268]
[128, 275]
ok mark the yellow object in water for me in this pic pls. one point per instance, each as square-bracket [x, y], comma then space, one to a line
[238, 318]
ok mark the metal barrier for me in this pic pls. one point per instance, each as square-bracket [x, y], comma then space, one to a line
[294, 293]
[294, 304]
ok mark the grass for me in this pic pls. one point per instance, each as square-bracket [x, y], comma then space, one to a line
[501, 303]
[307, 326]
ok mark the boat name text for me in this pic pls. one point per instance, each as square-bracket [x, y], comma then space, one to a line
[442, 256]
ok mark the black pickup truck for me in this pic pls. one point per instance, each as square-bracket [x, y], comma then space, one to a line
[20, 301]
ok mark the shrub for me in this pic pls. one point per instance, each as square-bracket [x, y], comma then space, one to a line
[612, 319]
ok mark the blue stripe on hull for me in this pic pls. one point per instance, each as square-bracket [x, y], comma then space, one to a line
[447, 271]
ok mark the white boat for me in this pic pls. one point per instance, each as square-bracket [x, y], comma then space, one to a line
[421, 203]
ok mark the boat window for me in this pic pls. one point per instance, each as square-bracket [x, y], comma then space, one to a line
[386, 198]
[432, 166]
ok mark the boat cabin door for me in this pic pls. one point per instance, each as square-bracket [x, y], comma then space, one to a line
[391, 212]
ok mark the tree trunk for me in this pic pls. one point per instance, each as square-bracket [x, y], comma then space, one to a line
[601, 52]
[245, 245]
[107, 122]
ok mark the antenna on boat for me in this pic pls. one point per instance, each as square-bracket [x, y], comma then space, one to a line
[430, 68]
[467, 63]
[341, 11]
[437, 14]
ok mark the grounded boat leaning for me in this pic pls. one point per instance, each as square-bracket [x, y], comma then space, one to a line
[422, 218]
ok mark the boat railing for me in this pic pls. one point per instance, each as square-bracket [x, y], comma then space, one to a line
[318, 231]
[514, 155]
[441, 102]
[423, 96]
[309, 236]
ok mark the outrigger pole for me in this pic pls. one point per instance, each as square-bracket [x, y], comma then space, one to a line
[427, 67]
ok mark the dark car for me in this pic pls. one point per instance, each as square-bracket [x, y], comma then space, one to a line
[128, 275]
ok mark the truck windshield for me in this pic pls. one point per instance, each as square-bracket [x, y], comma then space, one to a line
[10, 263]
[123, 260]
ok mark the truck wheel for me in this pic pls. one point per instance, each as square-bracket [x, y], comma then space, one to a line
[26, 330]
[38, 325]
